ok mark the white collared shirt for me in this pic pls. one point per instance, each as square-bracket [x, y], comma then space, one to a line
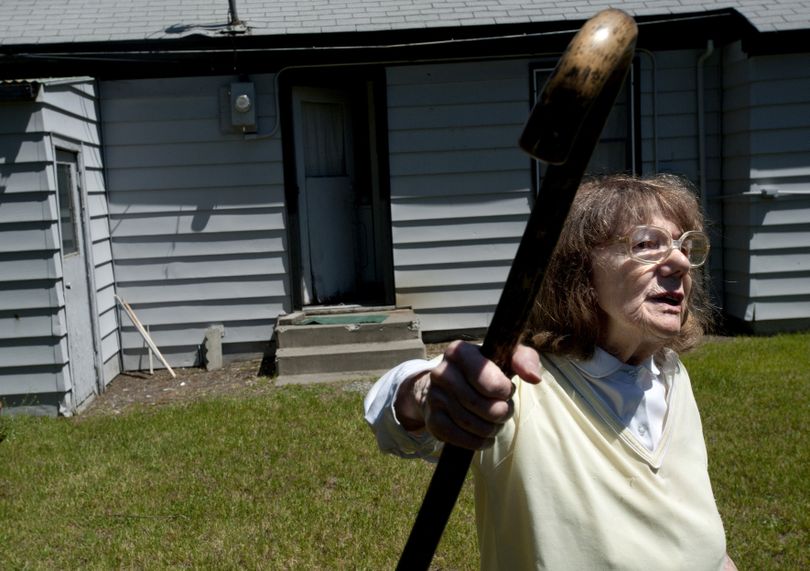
[636, 394]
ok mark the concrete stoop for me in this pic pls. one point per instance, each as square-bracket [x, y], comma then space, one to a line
[332, 344]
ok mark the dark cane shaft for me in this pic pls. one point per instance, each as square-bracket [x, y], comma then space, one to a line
[563, 130]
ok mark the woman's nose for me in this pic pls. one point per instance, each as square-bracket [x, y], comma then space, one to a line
[677, 261]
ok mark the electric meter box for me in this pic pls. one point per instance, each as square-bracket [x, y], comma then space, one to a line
[243, 107]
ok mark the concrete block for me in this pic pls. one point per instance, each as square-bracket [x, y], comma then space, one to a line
[212, 347]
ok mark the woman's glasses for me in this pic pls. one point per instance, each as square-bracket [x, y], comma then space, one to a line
[651, 244]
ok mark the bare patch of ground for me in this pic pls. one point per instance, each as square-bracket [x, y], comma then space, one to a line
[139, 388]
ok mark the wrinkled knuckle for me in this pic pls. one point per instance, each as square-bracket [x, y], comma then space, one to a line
[436, 424]
[435, 401]
[461, 352]
[477, 426]
[496, 385]
[502, 392]
[437, 372]
[467, 425]
[499, 412]
[453, 349]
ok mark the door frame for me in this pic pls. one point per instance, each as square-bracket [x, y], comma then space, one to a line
[376, 139]
[83, 228]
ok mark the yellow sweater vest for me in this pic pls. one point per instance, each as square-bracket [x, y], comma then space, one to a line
[566, 487]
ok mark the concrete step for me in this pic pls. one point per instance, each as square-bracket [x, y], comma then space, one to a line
[296, 316]
[399, 324]
[346, 358]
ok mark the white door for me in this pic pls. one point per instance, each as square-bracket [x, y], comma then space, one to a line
[326, 199]
[82, 355]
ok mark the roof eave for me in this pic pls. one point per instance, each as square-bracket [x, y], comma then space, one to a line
[206, 55]
[784, 42]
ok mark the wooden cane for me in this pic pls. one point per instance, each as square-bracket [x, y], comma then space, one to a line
[562, 130]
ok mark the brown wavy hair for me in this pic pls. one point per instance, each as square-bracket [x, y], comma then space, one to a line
[566, 318]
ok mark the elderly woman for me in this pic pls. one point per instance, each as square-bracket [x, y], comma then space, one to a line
[597, 459]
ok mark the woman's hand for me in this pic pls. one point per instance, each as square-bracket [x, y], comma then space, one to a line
[466, 399]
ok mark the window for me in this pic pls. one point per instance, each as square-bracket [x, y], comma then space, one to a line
[324, 134]
[66, 184]
[619, 148]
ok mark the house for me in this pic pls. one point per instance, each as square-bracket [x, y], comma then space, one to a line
[220, 162]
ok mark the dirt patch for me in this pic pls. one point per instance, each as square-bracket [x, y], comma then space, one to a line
[139, 388]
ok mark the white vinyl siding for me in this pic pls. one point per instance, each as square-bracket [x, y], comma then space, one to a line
[34, 368]
[767, 207]
[72, 113]
[460, 186]
[197, 216]
[669, 115]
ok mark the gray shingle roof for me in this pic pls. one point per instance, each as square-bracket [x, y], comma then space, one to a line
[56, 21]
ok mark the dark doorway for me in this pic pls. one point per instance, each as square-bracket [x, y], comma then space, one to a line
[337, 188]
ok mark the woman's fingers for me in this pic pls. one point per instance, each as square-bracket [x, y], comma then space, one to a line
[526, 364]
[469, 398]
[482, 374]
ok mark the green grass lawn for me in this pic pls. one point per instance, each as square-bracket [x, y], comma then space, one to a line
[754, 397]
[291, 479]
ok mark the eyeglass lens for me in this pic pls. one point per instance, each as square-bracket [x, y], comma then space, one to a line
[652, 244]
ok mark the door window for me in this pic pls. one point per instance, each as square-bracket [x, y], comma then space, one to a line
[324, 135]
[66, 181]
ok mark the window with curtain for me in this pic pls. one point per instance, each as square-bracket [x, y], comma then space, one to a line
[325, 137]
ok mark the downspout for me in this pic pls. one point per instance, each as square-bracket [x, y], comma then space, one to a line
[701, 134]
[654, 88]
[701, 126]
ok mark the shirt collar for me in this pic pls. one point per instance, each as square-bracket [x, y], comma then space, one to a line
[602, 364]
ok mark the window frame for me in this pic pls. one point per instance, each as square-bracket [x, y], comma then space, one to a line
[539, 70]
[69, 159]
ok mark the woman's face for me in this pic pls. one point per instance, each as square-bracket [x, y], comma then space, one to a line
[643, 304]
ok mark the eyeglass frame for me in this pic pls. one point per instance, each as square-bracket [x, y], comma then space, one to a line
[673, 243]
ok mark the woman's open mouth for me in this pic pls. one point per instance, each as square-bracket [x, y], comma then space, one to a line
[670, 298]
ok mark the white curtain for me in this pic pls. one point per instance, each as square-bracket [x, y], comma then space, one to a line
[324, 139]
